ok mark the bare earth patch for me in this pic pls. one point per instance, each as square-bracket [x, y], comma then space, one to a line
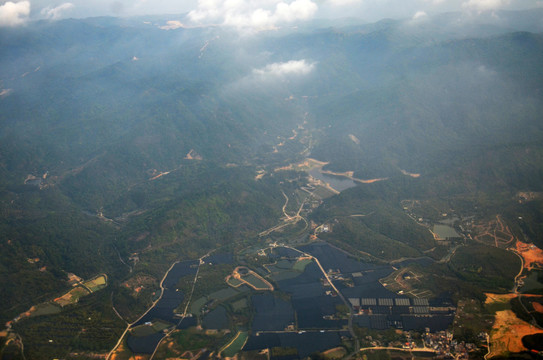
[193, 155]
[538, 307]
[507, 333]
[501, 298]
[413, 175]
[139, 282]
[526, 196]
[532, 255]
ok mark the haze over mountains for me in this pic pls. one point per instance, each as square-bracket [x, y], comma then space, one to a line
[410, 91]
[142, 135]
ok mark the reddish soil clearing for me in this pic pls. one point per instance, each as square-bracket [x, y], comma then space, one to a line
[507, 333]
[532, 255]
[537, 307]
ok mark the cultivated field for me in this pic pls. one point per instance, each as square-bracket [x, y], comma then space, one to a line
[250, 278]
[72, 296]
[234, 346]
[98, 283]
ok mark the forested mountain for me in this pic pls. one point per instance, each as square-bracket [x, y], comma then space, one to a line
[111, 99]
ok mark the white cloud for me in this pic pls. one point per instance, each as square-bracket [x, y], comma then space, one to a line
[13, 14]
[343, 2]
[57, 12]
[484, 5]
[419, 15]
[486, 72]
[293, 67]
[434, 2]
[296, 10]
[250, 13]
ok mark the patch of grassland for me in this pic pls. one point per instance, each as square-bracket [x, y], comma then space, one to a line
[161, 325]
[46, 309]
[143, 330]
[146, 330]
[499, 305]
[300, 265]
[240, 304]
[72, 296]
[193, 339]
[236, 344]
[197, 305]
[323, 192]
[284, 275]
[97, 283]
[232, 281]
[223, 294]
[335, 353]
[255, 281]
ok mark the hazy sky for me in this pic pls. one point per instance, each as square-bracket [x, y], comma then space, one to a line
[248, 13]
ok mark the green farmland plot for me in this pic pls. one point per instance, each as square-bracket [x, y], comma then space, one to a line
[97, 283]
[197, 305]
[240, 304]
[235, 345]
[232, 281]
[255, 282]
[223, 294]
[301, 264]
